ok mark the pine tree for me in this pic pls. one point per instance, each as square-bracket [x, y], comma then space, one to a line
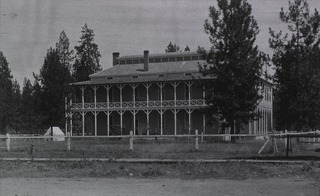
[63, 47]
[187, 49]
[54, 78]
[87, 56]
[297, 77]
[172, 48]
[235, 63]
[6, 95]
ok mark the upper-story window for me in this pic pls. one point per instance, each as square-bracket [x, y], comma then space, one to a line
[187, 58]
[179, 58]
[135, 61]
[129, 61]
[164, 59]
[157, 60]
[195, 58]
[172, 59]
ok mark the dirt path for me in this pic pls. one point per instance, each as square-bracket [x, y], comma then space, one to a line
[158, 186]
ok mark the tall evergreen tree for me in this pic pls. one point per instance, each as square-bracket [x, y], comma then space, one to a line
[234, 61]
[6, 95]
[87, 56]
[63, 48]
[54, 78]
[297, 77]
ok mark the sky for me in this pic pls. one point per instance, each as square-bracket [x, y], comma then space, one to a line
[29, 27]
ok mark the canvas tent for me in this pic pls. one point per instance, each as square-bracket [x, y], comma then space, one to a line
[57, 134]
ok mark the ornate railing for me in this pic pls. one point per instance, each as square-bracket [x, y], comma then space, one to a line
[141, 104]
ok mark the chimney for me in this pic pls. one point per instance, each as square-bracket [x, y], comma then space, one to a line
[115, 56]
[146, 60]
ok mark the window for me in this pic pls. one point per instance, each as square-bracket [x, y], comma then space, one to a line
[135, 61]
[180, 58]
[109, 78]
[157, 60]
[135, 76]
[151, 60]
[187, 58]
[188, 74]
[172, 59]
[164, 59]
[195, 58]
[161, 75]
[129, 61]
[122, 62]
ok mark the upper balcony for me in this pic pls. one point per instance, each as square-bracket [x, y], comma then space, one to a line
[139, 105]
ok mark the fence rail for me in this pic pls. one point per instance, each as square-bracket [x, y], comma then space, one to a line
[195, 140]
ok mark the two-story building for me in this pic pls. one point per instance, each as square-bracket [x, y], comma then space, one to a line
[150, 94]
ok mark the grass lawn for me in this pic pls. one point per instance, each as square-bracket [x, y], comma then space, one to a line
[142, 148]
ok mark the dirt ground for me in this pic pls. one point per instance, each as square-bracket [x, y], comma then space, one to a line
[21, 178]
[155, 186]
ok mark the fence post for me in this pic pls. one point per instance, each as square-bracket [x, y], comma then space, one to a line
[68, 142]
[8, 141]
[197, 140]
[131, 140]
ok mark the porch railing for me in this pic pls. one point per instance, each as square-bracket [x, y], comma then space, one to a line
[141, 104]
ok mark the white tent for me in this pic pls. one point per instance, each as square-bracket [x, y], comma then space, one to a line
[57, 134]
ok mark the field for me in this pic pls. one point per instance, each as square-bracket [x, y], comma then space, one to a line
[162, 148]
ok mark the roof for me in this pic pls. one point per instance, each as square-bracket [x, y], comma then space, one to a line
[154, 68]
[163, 55]
[157, 72]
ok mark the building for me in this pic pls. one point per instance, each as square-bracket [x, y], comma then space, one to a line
[150, 94]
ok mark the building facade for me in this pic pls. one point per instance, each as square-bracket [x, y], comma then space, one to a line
[150, 94]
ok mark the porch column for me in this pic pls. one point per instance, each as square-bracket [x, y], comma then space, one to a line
[147, 112]
[204, 104]
[204, 123]
[71, 123]
[70, 117]
[175, 111]
[82, 113]
[134, 112]
[121, 120]
[108, 112]
[189, 111]
[121, 112]
[95, 110]
[161, 85]
[161, 112]
[189, 84]
[108, 121]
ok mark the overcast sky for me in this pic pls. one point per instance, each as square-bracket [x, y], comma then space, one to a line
[29, 27]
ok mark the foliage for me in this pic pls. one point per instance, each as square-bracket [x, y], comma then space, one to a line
[54, 78]
[7, 104]
[187, 49]
[65, 54]
[234, 61]
[297, 77]
[172, 48]
[87, 56]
